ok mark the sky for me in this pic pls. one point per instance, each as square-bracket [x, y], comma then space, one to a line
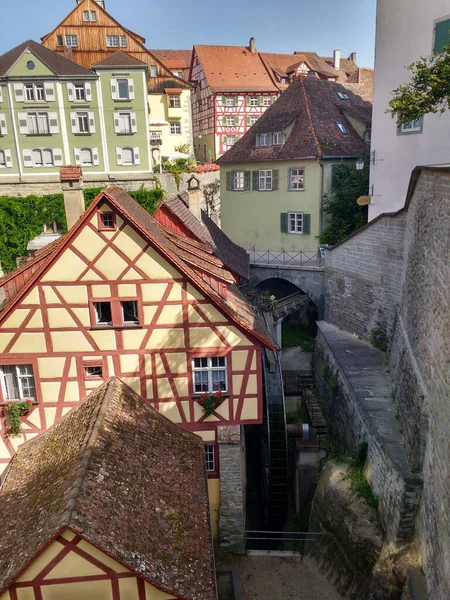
[277, 25]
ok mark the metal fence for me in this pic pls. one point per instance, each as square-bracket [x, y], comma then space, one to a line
[280, 541]
[287, 259]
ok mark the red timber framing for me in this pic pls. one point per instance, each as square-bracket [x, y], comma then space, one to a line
[50, 324]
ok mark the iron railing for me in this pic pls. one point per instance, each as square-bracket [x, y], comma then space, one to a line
[286, 259]
[280, 541]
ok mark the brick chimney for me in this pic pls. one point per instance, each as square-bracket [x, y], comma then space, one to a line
[72, 186]
[68, 52]
[337, 59]
[252, 45]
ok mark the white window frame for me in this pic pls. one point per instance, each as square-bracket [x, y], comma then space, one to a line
[18, 380]
[128, 163]
[119, 97]
[253, 101]
[86, 15]
[42, 123]
[153, 71]
[253, 119]
[82, 121]
[210, 458]
[413, 126]
[98, 312]
[231, 140]
[229, 121]
[111, 39]
[265, 180]
[84, 163]
[3, 155]
[267, 100]
[295, 218]
[77, 88]
[294, 185]
[155, 136]
[264, 137]
[94, 16]
[135, 311]
[209, 369]
[175, 125]
[69, 38]
[174, 101]
[123, 41]
[229, 101]
[238, 180]
[278, 140]
[37, 92]
[124, 118]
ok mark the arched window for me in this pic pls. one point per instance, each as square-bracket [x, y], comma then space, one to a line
[2, 158]
[47, 156]
[86, 157]
[37, 157]
[127, 156]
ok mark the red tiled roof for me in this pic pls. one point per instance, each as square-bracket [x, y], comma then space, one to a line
[110, 470]
[70, 173]
[314, 106]
[174, 58]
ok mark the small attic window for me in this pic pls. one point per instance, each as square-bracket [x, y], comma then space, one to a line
[106, 220]
[342, 128]
[30, 65]
[342, 95]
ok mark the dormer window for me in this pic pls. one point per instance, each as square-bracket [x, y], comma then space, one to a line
[342, 128]
[277, 138]
[263, 139]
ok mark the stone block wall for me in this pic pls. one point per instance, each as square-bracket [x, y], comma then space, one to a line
[363, 279]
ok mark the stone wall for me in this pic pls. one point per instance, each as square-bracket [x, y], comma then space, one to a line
[363, 277]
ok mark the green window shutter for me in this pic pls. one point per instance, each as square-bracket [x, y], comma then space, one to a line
[275, 179]
[224, 140]
[236, 121]
[224, 101]
[306, 224]
[230, 180]
[247, 100]
[255, 178]
[247, 180]
[289, 178]
[274, 98]
[236, 100]
[248, 121]
[224, 121]
[284, 222]
[260, 101]
[441, 35]
[236, 137]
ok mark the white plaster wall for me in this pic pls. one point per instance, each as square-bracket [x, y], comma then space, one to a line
[405, 32]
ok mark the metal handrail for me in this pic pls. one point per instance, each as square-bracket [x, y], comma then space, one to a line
[267, 257]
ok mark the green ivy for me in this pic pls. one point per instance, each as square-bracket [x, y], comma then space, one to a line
[22, 219]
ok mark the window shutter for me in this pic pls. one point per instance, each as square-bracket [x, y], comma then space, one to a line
[236, 137]
[133, 123]
[95, 159]
[236, 121]
[306, 229]
[8, 158]
[119, 155]
[248, 121]
[247, 101]
[116, 123]
[70, 94]
[275, 179]
[284, 222]
[27, 158]
[57, 157]
[91, 122]
[247, 180]
[441, 35]
[77, 155]
[224, 101]
[1, 94]
[131, 89]
[261, 101]
[3, 128]
[113, 84]
[53, 122]
[224, 121]
[137, 160]
[289, 179]
[255, 178]
[88, 92]
[224, 140]
[274, 98]
[270, 139]
[236, 100]
[18, 92]
[230, 180]
[74, 122]
[49, 92]
[23, 123]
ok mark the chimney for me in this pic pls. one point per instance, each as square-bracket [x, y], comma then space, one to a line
[195, 197]
[68, 52]
[337, 59]
[72, 186]
[352, 57]
[252, 45]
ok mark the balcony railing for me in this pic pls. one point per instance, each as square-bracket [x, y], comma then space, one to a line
[286, 259]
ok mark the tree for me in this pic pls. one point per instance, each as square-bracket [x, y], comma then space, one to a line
[344, 214]
[427, 92]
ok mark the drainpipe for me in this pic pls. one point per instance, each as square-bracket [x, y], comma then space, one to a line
[321, 196]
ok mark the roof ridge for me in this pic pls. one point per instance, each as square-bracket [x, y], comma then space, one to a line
[308, 112]
[89, 442]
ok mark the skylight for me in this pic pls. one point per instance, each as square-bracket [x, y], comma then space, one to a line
[341, 127]
[342, 95]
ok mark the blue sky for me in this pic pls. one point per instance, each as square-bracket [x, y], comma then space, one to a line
[278, 26]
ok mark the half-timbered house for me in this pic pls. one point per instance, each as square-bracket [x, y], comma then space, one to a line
[122, 295]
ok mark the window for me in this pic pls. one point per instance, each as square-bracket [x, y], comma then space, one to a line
[83, 122]
[107, 220]
[103, 315]
[414, 126]
[30, 64]
[267, 101]
[265, 179]
[175, 128]
[276, 138]
[93, 16]
[17, 382]
[37, 158]
[253, 101]
[130, 313]
[253, 119]
[123, 41]
[72, 40]
[174, 101]
[295, 222]
[153, 71]
[34, 91]
[229, 121]
[342, 95]
[178, 74]
[42, 157]
[127, 156]
[85, 15]
[229, 101]
[296, 179]
[441, 35]
[341, 127]
[156, 136]
[59, 40]
[86, 157]
[283, 80]
[263, 139]
[112, 41]
[238, 180]
[124, 123]
[229, 140]
[29, 92]
[210, 458]
[210, 374]
[122, 87]
[47, 157]
[2, 159]
[79, 92]
[93, 371]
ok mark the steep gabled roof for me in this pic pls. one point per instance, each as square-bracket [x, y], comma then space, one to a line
[119, 59]
[125, 478]
[55, 62]
[314, 108]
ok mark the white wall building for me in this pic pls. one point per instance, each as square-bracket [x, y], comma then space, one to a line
[406, 30]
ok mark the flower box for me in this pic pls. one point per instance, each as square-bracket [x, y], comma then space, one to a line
[210, 401]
